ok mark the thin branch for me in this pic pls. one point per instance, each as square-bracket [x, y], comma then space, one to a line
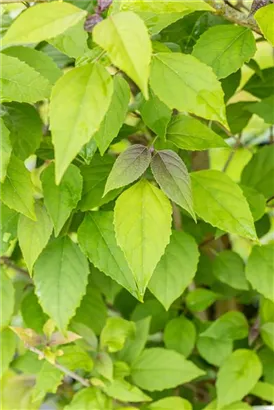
[270, 199]
[5, 260]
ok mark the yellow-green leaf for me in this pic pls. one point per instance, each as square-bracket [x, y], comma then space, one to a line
[265, 17]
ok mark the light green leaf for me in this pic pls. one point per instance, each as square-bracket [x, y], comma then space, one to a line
[171, 174]
[20, 82]
[225, 48]
[155, 114]
[264, 391]
[90, 398]
[259, 172]
[159, 369]
[8, 227]
[17, 190]
[152, 309]
[267, 357]
[171, 403]
[264, 17]
[231, 325]
[266, 310]
[74, 357]
[6, 149]
[60, 274]
[61, 199]
[237, 376]
[7, 299]
[176, 269]
[74, 120]
[8, 347]
[229, 268]
[104, 365]
[263, 109]
[34, 235]
[48, 380]
[128, 167]
[115, 115]
[239, 405]
[159, 7]
[200, 299]
[190, 134]
[188, 85]
[214, 351]
[32, 313]
[97, 239]
[256, 201]
[39, 61]
[180, 335]
[143, 233]
[42, 22]
[94, 180]
[219, 201]
[267, 333]
[115, 333]
[261, 260]
[125, 37]
[124, 391]
[25, 126]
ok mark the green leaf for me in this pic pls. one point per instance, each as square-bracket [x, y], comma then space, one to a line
[171, 403]
[7, 299]
[6, 149]
[125, 38]
[231, 83]
[225, 48]
[264, 391]
[97, 238]
[74, 357]
[42, 22]
[109, 287]
[261, 86]
[229, 268]
[104, 365]
[266, 310]
[152, 309]
[214, 351]
[264, 109]
[155, 114]
[124, 391]
[189, 85]
[239, 405]
[176, 269]
[34, 235]
[159, 369]
[264, 17]
[180, 335]
[39, 61]
[20, 82]
[8, 227]
[237, 376]
[115, 115]
[75, 120]
[25, 126]
[238, 116]
[32, 313]
[61, 199]
[267, 356]
[259, 172]
[190, 134]
[17, 190]
[94, 180]
[231, 325]
[171, 174]
[261, 260]
[90, 398]
[199, 300]
[267, 333]
[60, 274]
[219, 201]
[8, 347]
[256, 201]
[142, 234]
[115, 333]
[48, 380]
[128, 167]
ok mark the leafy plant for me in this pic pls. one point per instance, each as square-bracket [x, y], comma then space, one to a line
[137, 189]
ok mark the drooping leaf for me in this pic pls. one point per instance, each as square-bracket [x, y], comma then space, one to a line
[128, 167]
[48, 380]
[171, 403]
[34, 235]
[88, 90]
[20, 82]
[214, 351]
[200, 299]
[238, 116]
[237, 376]
[124, 391]
[180, 335]
[143, 233]
[17, 190]
[6, 149]
[61, 199]
[115, 333]
[225, 48]
[159, 369]
[260, 268]
[60, 274]
[42, 22]
[176, 269]
[231, 325]
[115, 115]
[7, 299]
[8, 347]
[188, 85]
[219, 201]
[190, 134]
[264, 17]
[125, 38]
[97, 238]
[229, 268]
[171, 174]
